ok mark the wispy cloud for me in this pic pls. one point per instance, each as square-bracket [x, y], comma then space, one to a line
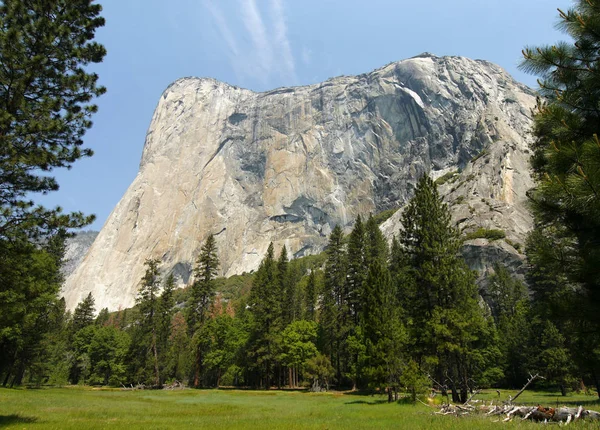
[282, 41]
[222, 26]
[269, 53]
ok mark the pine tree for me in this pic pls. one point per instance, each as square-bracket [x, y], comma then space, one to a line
[376, 247]
[265, 309]
[201, 299]
[333, 301]
[509, 300]
[310, 297]
[83, 315]
[45, 105]
[203, 288]
[103, 317]
[165, 315]
[444, 313]
[286, 288]
[148, 303]
[565, 246]
[178, 357]
[44, 111]
[384, 334]
[357, 272]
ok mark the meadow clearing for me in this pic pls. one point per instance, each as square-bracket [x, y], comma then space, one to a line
[89, 408]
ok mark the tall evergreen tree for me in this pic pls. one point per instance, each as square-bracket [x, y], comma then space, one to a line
[45, 105]
[84, 313]
[178, 357]
[512, 314]
[334, 301]
[444, 312]
[310, 297]
[201, 299]
[376, 246]
[166, 307]
[44, 111]
[148, 303]
[265, 309]
[565, 201]
[203, 288]
[286, 288]
[357, 273]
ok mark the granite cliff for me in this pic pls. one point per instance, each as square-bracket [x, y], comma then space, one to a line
[287, 165]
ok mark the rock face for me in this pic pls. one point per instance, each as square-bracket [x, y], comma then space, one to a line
[76, 248]
[288, 165]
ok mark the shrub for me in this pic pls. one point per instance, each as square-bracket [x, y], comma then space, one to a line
[484, 233]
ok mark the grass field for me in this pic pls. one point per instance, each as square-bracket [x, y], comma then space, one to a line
[86, 408]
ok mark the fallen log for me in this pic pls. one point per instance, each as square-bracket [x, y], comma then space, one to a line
[531, 379]
[532, 413]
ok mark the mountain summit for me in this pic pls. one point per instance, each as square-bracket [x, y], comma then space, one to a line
[287, 165]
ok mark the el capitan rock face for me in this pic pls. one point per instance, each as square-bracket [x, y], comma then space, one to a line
[288, 164]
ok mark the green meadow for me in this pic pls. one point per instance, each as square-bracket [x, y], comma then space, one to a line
[87, 408]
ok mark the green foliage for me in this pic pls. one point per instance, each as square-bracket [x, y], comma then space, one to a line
[483, 153]
[414, 380]
[350, 299]
[567, 150]
[45, 105]
[178, 357]
[384, 334]
[203, 288]
[333, 298]
[486, 233]
[515, 245]
[107, 352]
[445, 318]
[459, 200]
[83, 315]
[509, 302]
[298, 343]
[447, 177]
[29, 284]
[266, 317]
[224, 336]
[382, 217]
[320, 370]
[552, 358]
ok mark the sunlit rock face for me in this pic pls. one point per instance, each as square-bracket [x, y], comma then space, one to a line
[286, 166]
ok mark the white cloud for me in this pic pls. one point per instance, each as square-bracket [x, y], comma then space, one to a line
[282, 42]
[223, 27]
[258, 34]
[269, 53]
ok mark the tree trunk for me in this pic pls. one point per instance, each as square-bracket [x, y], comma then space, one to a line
[155, 352]
[197, 370]
[596, 382]
[290, 380]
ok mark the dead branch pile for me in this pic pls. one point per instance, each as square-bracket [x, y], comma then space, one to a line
[176, 385]
[534, 413]
[542, 414]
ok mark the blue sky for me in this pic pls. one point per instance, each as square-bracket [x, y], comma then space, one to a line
[264, 44]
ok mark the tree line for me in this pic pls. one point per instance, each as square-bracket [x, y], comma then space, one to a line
[371, 316]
